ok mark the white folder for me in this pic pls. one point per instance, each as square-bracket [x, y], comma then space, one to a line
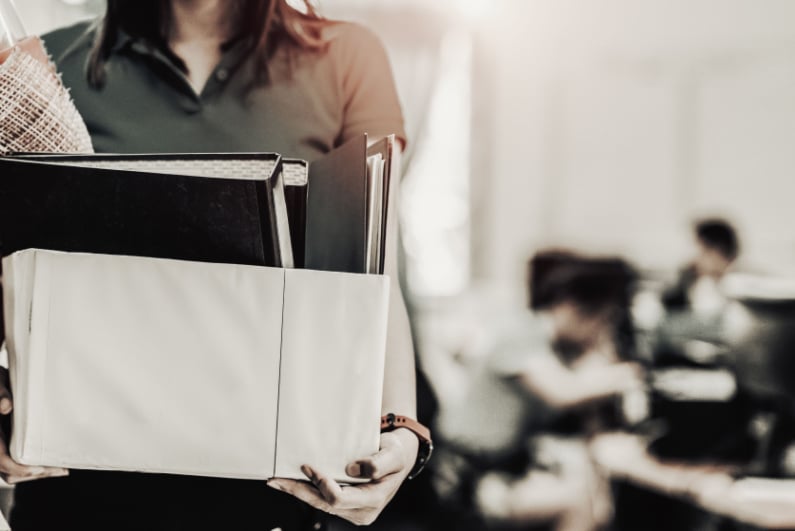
[167, 366]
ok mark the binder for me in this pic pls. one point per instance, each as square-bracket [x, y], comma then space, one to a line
[336, 209]
[346, 210]
[226, 208]
[328, 215]
[296, 180]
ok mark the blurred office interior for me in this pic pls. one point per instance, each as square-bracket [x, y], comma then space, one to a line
[604, 130]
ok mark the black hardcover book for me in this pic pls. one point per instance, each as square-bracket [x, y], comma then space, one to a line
[225, 208]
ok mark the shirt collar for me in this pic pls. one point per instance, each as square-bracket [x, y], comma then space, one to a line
[233, 47]
[123, 40]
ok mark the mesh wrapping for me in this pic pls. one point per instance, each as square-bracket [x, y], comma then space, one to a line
[36, 111]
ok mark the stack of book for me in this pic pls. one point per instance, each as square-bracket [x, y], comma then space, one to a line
[245, 208]
[147, 297]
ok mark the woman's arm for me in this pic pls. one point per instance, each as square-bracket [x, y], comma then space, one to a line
[399, 376]
[361, 504]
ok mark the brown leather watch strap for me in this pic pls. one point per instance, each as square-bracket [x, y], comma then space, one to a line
[391, 421]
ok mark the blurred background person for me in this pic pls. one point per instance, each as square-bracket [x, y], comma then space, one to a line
[696, 289]
[587, 304]
[550, 379]
[692, 328]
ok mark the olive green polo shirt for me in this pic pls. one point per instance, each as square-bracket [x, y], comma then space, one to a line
[313, 102]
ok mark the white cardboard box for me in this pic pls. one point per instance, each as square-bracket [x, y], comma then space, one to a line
[153, 365]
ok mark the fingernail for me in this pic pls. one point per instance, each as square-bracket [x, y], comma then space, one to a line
[354, 470]
[274, 484]
[308, 472]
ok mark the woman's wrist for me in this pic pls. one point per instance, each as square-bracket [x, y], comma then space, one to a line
[410, 445]
[419, 440]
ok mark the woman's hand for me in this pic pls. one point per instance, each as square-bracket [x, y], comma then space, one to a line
[11, 471]
[360, 504]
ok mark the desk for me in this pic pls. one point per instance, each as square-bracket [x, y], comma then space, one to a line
[762, 502]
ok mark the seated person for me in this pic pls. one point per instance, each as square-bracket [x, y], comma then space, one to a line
[692, 330]
[587, 304]
[695, 289]
[568, 357]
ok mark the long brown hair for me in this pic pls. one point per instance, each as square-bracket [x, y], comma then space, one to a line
[267, 23]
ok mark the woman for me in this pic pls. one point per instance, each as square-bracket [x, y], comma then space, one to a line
[214, 76]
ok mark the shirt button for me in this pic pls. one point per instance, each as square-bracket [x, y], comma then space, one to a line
[222, 74]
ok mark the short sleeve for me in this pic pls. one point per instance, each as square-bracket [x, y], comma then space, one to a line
[370, 98]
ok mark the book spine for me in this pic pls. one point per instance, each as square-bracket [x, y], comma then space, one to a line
[267, 216]
[295, 197]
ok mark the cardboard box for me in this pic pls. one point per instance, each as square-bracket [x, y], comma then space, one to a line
[168, 366]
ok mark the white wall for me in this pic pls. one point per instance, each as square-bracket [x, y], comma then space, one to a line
[617, 121]
[40, 16]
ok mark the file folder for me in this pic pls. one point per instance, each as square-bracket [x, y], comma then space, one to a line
[346, 212]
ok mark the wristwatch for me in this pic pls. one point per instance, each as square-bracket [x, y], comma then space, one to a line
[390, 422]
